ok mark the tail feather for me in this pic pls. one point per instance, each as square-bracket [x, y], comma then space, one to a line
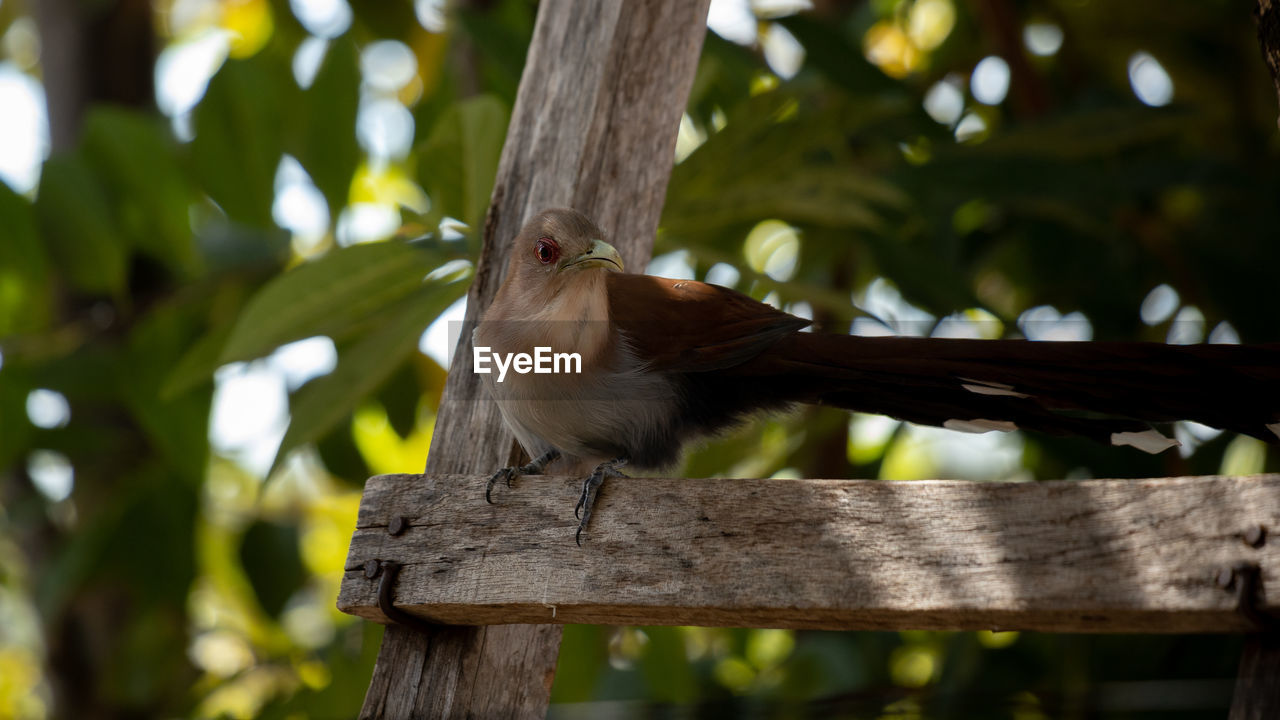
[1105, 391]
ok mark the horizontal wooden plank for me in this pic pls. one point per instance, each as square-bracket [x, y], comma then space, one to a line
[1088, 556]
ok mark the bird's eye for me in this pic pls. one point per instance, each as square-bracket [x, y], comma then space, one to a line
[546, 250]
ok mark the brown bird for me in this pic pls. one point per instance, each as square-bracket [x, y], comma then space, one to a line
[664, 362]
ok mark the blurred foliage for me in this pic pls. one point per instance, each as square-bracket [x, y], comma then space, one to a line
[148, 570]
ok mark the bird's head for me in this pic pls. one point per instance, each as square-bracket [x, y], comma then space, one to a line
[556, 247]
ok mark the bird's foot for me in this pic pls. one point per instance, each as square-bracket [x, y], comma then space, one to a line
[590, 489]
[507, 474]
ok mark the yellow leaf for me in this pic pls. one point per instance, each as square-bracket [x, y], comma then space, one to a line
[250, 24]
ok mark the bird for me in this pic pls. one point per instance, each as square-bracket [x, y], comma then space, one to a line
[664, 363]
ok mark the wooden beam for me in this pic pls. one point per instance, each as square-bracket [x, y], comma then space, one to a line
[1088, 556]
[594, 127]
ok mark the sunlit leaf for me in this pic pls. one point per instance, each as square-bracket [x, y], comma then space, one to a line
[249, 24]
[318, 406]
[327, 295]
[384, 449]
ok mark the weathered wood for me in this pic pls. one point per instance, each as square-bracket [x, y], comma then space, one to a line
[594, 127]
[1257, 695]
[1090, 556]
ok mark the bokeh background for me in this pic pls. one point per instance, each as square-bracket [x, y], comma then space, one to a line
[216, 218]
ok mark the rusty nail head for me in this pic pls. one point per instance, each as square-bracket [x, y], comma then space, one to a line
[1224, 577]
[371, 569]
[1255, 536]
[397, 525]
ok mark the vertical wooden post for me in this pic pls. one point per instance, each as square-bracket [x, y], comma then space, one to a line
[594, 127]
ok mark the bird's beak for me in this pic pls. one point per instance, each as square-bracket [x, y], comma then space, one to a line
[600, 254]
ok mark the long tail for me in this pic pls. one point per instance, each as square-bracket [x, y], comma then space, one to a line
[1105, 391]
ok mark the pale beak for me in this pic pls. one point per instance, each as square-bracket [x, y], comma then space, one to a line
[600, 254]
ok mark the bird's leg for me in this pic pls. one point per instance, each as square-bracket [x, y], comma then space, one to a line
[591, 487]
[535, 467]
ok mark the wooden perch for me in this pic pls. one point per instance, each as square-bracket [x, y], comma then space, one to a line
[1089, 556]
[594, 127]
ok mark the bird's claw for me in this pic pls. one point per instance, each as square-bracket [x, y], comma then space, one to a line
[508, 473]
[535, 467]
[590, 489]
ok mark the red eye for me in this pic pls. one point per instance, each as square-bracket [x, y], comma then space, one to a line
[546, 250]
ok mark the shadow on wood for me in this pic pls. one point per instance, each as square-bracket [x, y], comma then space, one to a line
[1089, 556]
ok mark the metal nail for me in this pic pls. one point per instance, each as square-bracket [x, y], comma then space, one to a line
[1224, 577]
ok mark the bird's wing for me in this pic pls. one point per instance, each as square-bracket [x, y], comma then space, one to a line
[689, 326]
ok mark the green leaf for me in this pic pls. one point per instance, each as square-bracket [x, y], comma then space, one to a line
[400, 396]
[783, 156]
[136, 159]
[239, 137]
[1102, 133]
[583, 654]
[176, 427]
[388, 19]
[327, 296]
[197, 365]
[24, 271]
[502, 36]
[328, 148]
[829, 50]
[273, 563]
[76, 221]
[665, 666]
[828, 196]
[458, 162]
[15, 384]
[320, 404]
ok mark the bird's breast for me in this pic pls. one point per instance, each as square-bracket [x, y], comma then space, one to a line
[600, 409]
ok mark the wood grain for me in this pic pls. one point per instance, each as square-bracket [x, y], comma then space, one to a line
[594, 127]
[1089, 556]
